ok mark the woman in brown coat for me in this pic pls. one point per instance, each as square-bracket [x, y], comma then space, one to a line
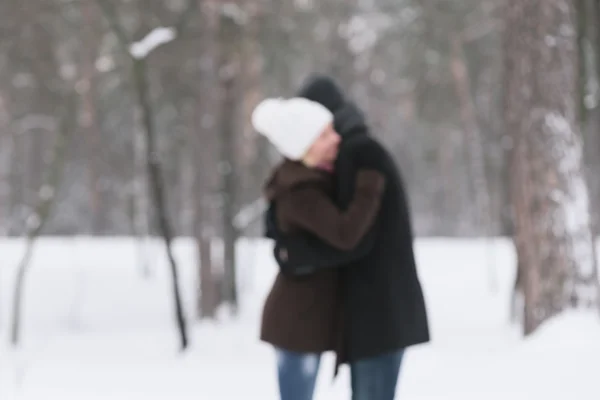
[302, 315]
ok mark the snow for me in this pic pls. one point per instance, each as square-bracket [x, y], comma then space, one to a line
[574, 200]
[592, 86]
[250, 213]
[33, 221]
[363, 31]
[95, 329]
[105, 64]
[46, 192]
[154, 39]
[235, 12]
[580, 326]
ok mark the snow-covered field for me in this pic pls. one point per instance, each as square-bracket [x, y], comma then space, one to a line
[96, 329]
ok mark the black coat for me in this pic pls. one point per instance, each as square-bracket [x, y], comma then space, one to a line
[383, 300]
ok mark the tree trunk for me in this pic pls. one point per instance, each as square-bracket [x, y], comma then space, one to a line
[6, 155]
[589, 98]
[548, 191]
[280, 46]
[596, 40]
[229, 70]
[40, 215]
[208, 299]
[207, 294]
[203, 140]
[89, 119]
[139, 201]
[157, 187]
[476, 162]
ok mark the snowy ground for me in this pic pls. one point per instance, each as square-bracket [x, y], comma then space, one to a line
[95, 329]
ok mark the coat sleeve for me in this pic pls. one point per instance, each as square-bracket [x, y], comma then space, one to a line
[302, 253]
[312, 210]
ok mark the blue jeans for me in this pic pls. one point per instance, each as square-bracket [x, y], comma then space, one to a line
[297, 374]
[376, 378]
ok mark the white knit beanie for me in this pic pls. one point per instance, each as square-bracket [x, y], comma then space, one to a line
[291, 125]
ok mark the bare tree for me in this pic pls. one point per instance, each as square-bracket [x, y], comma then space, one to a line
[38, 219]
[138, 53]
[6, 147]
[229, 39]
[476, 151]
[87, 88]
[548, 190]
[203, 140]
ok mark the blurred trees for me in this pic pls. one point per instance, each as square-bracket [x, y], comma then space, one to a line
[397, 59]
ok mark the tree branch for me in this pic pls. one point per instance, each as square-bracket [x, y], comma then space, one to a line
[47, 198]
[184, 18]
[111, 16]
[139, 71]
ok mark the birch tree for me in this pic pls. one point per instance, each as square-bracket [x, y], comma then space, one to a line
[548, 191]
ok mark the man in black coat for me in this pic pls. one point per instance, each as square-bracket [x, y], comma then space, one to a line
[384, 308]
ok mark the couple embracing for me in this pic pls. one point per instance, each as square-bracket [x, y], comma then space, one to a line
[339, 217]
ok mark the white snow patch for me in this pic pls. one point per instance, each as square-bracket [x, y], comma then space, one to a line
[590, 101]
[576, 221]
[235, 12]
[154, 39]
[364, 30]
[33, 221]
[105, 64]
[46, 192]
[361, 35]
[580, 328]
[250, 213]
[95, 329]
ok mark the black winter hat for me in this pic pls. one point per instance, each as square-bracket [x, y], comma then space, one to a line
[323, 89]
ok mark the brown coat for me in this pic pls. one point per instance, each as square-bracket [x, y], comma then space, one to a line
[303, 313]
